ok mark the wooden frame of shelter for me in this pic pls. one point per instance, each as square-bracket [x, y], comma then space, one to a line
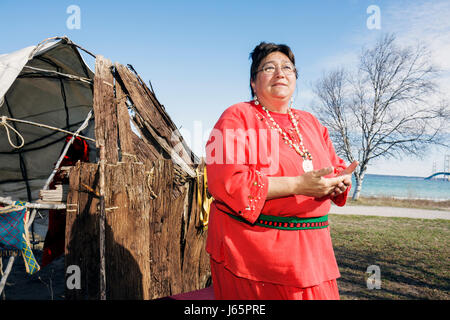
[136, 218]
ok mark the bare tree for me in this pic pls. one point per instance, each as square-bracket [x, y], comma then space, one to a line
[387, 108]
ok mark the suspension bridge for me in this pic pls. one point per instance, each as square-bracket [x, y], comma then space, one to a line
[445, 174]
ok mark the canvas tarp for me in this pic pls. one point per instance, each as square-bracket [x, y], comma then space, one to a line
[28, 92]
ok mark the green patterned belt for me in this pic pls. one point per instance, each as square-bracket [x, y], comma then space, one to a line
[286, 223]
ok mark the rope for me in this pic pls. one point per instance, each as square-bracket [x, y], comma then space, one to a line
[70, 76]
[7, 127]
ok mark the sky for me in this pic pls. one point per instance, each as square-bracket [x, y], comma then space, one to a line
[196, 53]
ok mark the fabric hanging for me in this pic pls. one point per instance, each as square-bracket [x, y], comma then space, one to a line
[14, 234]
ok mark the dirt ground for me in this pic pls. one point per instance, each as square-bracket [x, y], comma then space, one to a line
[47, 284]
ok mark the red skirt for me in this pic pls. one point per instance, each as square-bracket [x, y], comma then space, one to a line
[228, 286]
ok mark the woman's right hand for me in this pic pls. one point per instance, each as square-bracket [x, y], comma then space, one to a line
[311, 184]
[314, 183]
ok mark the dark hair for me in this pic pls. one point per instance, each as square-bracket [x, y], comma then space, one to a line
[261, 51]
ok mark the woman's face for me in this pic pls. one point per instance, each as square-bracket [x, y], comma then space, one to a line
[278, 86]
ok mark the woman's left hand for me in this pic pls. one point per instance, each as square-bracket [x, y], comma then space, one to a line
[347, 182]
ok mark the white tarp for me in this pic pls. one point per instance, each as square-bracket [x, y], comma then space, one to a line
[28, 93]
[10, 67]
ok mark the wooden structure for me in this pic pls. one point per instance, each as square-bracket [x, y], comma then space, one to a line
[135, 221]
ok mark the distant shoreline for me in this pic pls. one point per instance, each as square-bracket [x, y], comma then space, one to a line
[387, 198]
[401, 203]
[401, 176]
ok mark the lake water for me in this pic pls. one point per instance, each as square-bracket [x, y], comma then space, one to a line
[375, 185]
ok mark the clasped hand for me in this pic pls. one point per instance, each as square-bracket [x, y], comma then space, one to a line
[315, 184]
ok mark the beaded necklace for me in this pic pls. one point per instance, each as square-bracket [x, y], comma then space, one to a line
[299, 148]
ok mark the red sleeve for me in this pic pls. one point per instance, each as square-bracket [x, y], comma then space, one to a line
[237, 186]
[339, 165]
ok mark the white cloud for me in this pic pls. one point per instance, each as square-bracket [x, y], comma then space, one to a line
[426, 22]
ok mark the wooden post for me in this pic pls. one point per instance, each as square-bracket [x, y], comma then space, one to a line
[102, 221]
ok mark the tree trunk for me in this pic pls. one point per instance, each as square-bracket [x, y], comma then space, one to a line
[357, 190]
[359, 178]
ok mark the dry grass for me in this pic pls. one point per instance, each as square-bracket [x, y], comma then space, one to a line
[403, 203]
[413, 256]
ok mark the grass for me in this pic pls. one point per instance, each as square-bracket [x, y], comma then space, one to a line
[412, 254]
[403, 203]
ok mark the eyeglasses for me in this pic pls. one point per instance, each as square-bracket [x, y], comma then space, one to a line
[287, 68]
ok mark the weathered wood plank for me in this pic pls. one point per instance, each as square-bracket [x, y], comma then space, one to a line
[165, 228]
[177, 247]
[123, 122]
[153, 246]
[143, 233]
[154, 119]
[196, 270]
[158, 106]
[105, 111]
[143, 103]
[146, 152]
[127, 232]
[82, 230]
[171, 152]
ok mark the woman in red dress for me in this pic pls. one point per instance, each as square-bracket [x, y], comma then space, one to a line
[273, 173]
